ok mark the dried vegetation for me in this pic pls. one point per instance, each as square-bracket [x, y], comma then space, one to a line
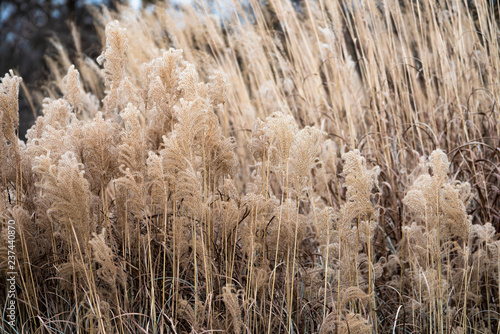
[322, 169]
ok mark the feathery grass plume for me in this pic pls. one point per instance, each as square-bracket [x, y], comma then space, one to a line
[291, 153]
[439, 207]
[165, 70]
[113, 59]
[96, 143]
[281, 130]
[161, 93]
[109, 276]
[419, 246]
[261, 212]
[325, 221]
[357, 221]
[133, 147]
[53, 131]
[9, 122]
[53, 143]
[261, 142]
[230, 298]
[131, 195]
[225, 216]
[354, 323]
[56, 113]
[218, 151]
[187, 313]
[218, 88]
[130, 93]
[325, 172]
[9, 91]
[159, 181]
[189, 192]
[329, 325]
[183, 144]
[67, 190]
[188, 82]
[483, 262]
[305, 150]
[494, 263]
[74, 275]
[72, 88]
[350, 294]
[197, 133]
[161, 113]
[482, 234]
[359, 182]
[438, 203]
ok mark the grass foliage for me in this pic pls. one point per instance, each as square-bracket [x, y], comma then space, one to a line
[325, 167]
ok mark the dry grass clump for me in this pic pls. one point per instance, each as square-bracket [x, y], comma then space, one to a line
[266, 173]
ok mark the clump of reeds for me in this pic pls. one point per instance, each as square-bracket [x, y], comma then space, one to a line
[262, 175]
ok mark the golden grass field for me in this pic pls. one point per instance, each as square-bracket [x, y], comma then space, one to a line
[313, 167]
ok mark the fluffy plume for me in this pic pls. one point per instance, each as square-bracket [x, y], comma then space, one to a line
[113, 58]
[359, 182]
[233, 306]
[9, 91]
[71, 87]
[67, 190]
[97, 145]
[305, 150]
[438, 203]
[281, 130]
[110, 277]
[218, 88]
[133, 151]
[9, 122]
[354, 324]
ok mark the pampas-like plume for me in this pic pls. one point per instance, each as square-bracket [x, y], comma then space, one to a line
[97, 145]
[189, 191]
[161, 93]
[159, 180]
[187, 313]
[233, 307]
[290, 152]
[56, 113]
[305, 150]
[9, 91]
[438, 203]
[109, 275]
[188, 82]
[113, 58]
[72, 88]
[65, 186]
[281, 130]
[9, 122]
[133, 152]
[217, 90]
[359, 182]
[354, 323]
